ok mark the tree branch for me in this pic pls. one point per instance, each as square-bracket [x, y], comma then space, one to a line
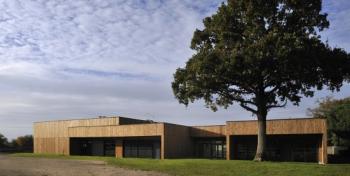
[241, 100]
[272, 90]
[248, 108]
[277, 105]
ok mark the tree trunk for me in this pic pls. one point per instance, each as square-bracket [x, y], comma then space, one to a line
[260, 150]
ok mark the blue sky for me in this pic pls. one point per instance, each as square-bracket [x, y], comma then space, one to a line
[75, 59]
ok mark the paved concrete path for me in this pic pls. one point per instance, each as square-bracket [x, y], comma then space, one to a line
[23, 166]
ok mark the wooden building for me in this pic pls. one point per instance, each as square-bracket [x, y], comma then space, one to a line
[288, 139]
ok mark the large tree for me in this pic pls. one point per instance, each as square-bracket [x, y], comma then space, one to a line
[261, 54]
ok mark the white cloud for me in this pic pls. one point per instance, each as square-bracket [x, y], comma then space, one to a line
[69, 59]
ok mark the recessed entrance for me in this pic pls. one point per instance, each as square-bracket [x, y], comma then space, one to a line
[136, 147]
[141, 149]
[92, 146]
[211, 148]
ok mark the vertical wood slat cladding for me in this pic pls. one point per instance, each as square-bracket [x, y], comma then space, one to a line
[52, 136]
[51, 145]
[287, 126]
[119, 148]
[154, 129]
[322, 149]
[60, 128]
[228, 147]
[208, 131]
[177, 141]
[323, 159]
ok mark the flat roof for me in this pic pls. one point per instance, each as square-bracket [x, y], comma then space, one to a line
[116, 125]
[100, 117]
[207, 125]
[230, 121]
[297, 118]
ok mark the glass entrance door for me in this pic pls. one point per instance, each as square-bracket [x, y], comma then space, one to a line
[210, 148]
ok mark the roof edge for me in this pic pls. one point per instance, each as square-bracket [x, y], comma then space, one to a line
[302, 118]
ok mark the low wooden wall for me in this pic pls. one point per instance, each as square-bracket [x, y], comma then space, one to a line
[208, 131]
[283, 126]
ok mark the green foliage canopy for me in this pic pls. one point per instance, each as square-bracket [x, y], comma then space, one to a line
[260, 53]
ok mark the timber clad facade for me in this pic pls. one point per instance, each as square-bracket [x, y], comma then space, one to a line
[287, 139]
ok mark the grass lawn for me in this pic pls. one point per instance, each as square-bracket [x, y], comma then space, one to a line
[204, 167]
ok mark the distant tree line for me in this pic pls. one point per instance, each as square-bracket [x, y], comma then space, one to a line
[337, 113]
[20, 144]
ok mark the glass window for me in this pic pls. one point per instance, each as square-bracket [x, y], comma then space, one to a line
[210, 148]
[109, 148]
[142, 149]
